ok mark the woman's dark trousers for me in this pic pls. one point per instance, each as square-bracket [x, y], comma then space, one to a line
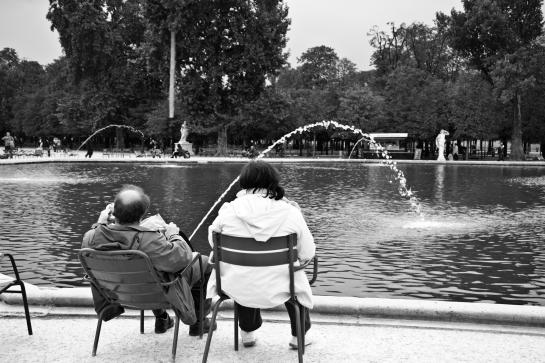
[249, 319]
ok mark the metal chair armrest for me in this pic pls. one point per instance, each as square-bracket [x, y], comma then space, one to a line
[314, 260]
[197, 258]
[303, 265]
[13, 265]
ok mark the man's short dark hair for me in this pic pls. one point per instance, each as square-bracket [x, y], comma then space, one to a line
[130, 210]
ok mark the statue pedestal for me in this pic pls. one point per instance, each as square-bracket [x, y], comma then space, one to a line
[441, 156]
[187, 146]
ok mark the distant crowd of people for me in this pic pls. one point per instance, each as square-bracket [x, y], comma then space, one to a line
[46, 145]
[42, 144]
[454, 151]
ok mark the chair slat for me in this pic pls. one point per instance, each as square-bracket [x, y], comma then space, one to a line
[116, 265]
[131, 298]
[147, 306]
[250, 244]
[256, 259]
[143, 288]
[125, 278]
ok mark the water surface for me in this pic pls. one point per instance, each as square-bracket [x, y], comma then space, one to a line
[481, 237]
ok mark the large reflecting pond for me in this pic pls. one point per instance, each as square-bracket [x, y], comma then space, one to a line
[481, 239]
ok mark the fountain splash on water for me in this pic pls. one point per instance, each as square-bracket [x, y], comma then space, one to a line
[130, 128]
[398, 175]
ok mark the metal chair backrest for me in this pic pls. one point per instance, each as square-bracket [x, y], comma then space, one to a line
[243, 251]
[126, 277]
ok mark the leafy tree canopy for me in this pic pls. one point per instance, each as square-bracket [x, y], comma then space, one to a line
[486, 30]
[319, 66]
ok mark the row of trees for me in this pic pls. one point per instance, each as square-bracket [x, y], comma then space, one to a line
[479, 73]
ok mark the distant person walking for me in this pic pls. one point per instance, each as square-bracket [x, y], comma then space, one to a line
[56, 144]
[500, 152]
[9, 144]
[455, 150]
[46, 146]
[89, 150]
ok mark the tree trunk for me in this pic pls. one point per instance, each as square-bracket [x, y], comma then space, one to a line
[120, 138]
[172, 78]
[517, 152]
[222, 141]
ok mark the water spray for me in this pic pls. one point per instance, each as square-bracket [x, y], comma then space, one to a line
[130, 128]
[403, 190]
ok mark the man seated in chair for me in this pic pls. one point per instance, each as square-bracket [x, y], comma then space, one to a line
[168, 251]
[260, 211]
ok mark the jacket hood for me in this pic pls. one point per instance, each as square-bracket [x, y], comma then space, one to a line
[262, 216]
[115, 237]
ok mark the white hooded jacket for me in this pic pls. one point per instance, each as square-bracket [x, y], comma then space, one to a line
[253, 215]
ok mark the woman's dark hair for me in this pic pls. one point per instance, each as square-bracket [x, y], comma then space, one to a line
[130, 210]
[261, 175]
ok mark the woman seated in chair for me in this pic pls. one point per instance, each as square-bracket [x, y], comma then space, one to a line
[260, 211]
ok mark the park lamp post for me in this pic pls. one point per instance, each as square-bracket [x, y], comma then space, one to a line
[172, 74]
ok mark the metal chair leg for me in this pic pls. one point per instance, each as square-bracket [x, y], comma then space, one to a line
[25, 305]
[141, 321]
[201, 316]
[299, 338]
[201, 300]
[212, 322]
[175, 339]
[303, 325]
[97, 335]
[236, 326]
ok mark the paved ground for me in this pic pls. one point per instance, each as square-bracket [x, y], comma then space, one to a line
[66, 335]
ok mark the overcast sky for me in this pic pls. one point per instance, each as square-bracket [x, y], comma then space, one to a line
[340, 24]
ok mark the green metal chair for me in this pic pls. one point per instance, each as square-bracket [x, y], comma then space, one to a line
[127, 277]
[6, 285]
[251, 253]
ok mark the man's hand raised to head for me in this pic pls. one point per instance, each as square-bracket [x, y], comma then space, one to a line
[106, 214]
[171, 229]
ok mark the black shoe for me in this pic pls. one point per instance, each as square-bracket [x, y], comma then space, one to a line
[112, 311]
[163, 324]
[194, 330]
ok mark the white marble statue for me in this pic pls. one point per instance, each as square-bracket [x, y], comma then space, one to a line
[183, 133]
[440, 144]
